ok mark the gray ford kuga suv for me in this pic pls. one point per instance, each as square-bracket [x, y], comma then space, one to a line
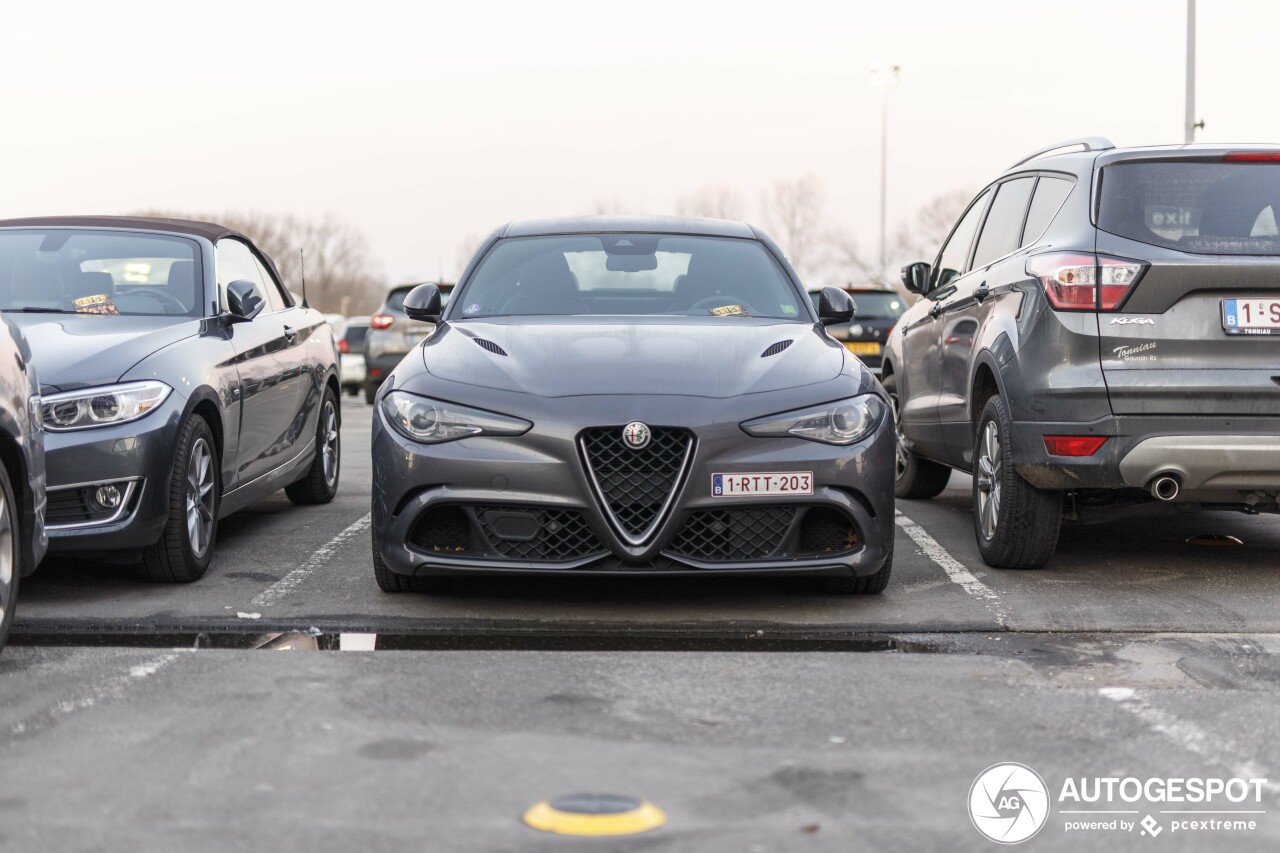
[1101, 329]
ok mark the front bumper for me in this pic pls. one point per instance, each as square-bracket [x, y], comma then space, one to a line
[138, 453]
[1216, 459]
[541, 472]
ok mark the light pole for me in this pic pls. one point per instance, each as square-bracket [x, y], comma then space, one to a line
[886, 79]
[1189, 126]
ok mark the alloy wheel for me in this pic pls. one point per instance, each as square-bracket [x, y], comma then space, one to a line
[990, 468]
[200, 497]
[900, 448]
[329, 417]
[8, 558]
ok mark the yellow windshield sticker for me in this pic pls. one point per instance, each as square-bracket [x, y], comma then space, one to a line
[727, 310]
[99, 304]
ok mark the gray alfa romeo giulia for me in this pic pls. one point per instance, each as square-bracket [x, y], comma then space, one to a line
[631, 395]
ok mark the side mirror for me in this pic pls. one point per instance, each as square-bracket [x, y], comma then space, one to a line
[423, 303]
[244, 302]
[915, 277]
[835, 306]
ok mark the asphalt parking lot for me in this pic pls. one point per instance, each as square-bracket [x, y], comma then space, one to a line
[761, 715]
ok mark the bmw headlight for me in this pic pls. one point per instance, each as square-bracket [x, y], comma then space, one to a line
[841, 422]
[435, 421]
[102, 406]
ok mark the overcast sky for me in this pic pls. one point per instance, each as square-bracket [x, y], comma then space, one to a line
[426, 124]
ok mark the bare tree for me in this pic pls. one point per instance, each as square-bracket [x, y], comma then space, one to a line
[342, 275]
[847, 262]
[793, 210]
[716, 201]
[920, 238]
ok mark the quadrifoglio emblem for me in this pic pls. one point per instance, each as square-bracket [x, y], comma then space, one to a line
[1009, 803]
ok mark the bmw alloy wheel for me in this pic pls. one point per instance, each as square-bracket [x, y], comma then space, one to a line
[990, 468]
[8, 559]
[200, 497]
[330, 449]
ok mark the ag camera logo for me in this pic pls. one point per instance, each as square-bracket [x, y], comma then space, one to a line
[1008, 803]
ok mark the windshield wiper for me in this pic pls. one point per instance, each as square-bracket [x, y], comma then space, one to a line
[29, 309]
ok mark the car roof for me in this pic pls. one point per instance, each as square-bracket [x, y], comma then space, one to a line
[622, 224]
[209, 230]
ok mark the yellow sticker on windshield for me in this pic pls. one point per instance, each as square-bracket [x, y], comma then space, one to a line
[99, 304]
[727, 310]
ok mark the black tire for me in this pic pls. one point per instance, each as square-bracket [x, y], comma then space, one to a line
[389, 581]
[10, 559]
[176, 558]
[370, 391]
[351, 390]
[913, 477]
[869, 585]
[1016, 524]
[321, 483]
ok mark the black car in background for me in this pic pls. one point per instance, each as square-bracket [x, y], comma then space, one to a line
[1100, 329]
[22, 479]
[180, 382]
[392, 334]
[877, 312]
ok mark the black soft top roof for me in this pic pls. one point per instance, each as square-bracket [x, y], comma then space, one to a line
[209, 230]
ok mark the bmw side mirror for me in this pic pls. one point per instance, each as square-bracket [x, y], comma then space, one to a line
[423, 303]
[834, 306]
[244, 302]
[915, 277]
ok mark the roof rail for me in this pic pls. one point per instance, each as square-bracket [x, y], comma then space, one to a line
[1089, 143]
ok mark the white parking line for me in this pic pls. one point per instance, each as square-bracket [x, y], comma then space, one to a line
[110, 688]
[1214, 749]
[322, 555]
[953, 567]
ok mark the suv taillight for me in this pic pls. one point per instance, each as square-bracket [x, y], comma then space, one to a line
[1071, 279]
[382, 321]
[343, 346]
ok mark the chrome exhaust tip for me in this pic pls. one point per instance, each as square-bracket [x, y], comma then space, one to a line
[1165, 487]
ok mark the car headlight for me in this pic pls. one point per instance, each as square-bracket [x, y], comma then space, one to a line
[841, 422]
[102, 406]
[435, 421]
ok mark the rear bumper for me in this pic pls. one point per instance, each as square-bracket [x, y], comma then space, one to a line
[1215, 458]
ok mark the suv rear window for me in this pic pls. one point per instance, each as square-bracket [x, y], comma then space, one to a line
[355, 335]
[1201, 208]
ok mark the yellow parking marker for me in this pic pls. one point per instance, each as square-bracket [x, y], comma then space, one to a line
[594, 814]
[1215, 540]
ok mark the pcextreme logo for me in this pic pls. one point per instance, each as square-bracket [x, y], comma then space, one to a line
[1008, 803]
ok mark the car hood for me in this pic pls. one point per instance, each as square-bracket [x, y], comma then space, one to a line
[71, 351]
[564, 357]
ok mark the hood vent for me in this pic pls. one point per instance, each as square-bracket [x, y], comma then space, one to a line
[490, 346]
[774, 349]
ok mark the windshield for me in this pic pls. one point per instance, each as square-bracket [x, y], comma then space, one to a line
[98, 272]
[629, 275]
[1202, 208]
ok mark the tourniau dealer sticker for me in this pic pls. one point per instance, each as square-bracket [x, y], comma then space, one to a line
[1009, 803]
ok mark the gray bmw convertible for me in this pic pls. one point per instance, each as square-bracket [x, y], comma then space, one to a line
[631, 396]
[179, 382]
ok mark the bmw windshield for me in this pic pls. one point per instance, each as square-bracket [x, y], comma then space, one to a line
[66, 271]
[630, 275]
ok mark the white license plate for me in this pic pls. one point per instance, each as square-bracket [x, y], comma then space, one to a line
[1251, 316]
[774, 483]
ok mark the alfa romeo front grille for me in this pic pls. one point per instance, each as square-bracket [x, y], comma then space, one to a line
[733, 535]
[636, 486]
